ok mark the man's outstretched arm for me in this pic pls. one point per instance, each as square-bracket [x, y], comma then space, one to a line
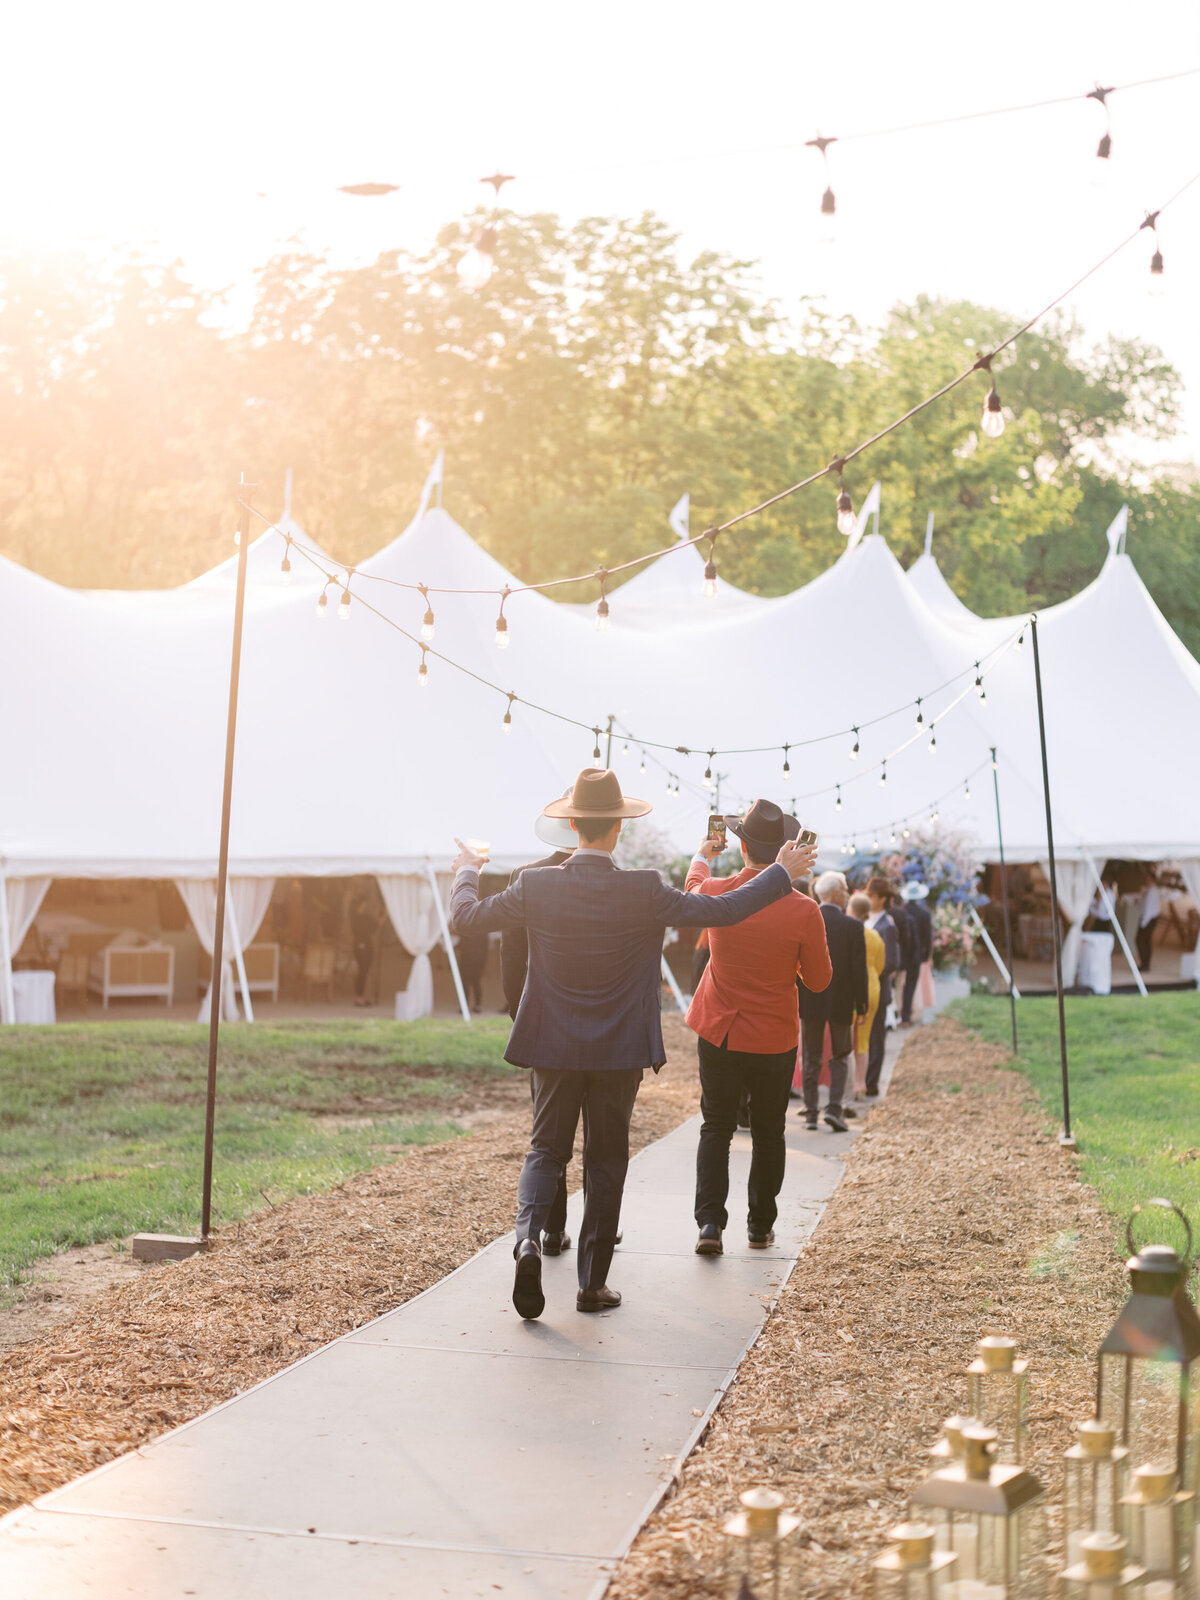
[679, 910]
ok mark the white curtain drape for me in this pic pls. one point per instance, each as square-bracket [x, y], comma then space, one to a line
[1076, 886]
[411, 906]
[250, 898]
[24, 897]
[1190, 873]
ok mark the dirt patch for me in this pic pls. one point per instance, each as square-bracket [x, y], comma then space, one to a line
[145, 1355]
[54, 1289]
[958, 1216]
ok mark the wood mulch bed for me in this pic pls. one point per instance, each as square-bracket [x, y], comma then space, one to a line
[959, 1215]
[179, 1338]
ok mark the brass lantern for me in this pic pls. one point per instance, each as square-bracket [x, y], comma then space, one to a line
[988, 1515]
[997, 1385]
[1162, 1521]
[1096, 1479]
[950, 1446]
[760, 1548]
[912, 1569]
[1147, 1355]
[1102, 1571]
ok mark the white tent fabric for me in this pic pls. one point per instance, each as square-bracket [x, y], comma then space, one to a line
[250, 898]
[669, 593]
[411, 906]
[22, 900]
[1076, 886]
[929, 581]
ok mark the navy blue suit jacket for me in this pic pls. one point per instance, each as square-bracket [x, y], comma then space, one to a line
[592, 997]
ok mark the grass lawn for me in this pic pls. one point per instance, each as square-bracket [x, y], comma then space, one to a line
[1135, 1088]
[101, 1126]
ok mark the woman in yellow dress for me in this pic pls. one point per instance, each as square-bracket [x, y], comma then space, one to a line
[859, 906]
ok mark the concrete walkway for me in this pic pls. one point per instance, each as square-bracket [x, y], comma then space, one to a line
[447, 1448]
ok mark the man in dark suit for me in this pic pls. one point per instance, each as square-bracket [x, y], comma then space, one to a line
[514, 965]
[837, 1006]
[914, 896]
[589, 1019]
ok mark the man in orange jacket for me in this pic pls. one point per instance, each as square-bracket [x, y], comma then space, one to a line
[748, 1024]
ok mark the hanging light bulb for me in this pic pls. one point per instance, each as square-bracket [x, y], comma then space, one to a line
[1157, 281]
[502, 625]
[786, 766]
[828, 199]
[625, 748]
[920, 717]
[710, 568]
[837, 806]
[854, 752]
[476, 267]
[507, 723]
[875, 842]
[892, 837]
[642, 767]
[708, 777]
[904, 833]
[978, 681]
[285, 566]
[602, 615]
[932, 740]
[427, 619]
[1021, 640]
[846, 520]
[323, 604]
[992, 421]
[1104, 148]
[883, 776]
[344, 606]
[966, 788]
[422, 672]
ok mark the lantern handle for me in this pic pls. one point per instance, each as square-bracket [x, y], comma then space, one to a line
[1167, 1205]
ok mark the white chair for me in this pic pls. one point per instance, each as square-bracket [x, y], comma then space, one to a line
[144, 972]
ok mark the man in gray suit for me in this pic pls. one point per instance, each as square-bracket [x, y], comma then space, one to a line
[589, 1021]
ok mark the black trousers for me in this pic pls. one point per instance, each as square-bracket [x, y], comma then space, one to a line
[841, 1040]
[1145, 944]
[878, 1032]
[559, 1097]
[912, 976]
[767, 1078]
[556, 1217]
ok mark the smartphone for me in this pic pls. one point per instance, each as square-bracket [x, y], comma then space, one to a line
[716, 828]
[806, 836]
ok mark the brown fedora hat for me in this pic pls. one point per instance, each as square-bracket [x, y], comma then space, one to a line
[597, 793]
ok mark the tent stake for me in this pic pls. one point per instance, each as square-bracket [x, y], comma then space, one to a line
[214, 1017]
[1008, 950]
[1066, 1137]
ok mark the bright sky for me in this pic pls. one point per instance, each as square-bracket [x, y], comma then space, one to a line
[161, 126]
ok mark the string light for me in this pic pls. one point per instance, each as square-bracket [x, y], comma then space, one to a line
[883, 775]
[502, 624]
[920, 717]
[708, 777]
[1021, 640]
[979, 689]
[596, 750]
[642, 767]
[1104, 148]
[786, 767]
[854, 752]
[892, 837]
[323, 603]
[344, 606]
[966, 788]
[285, 566]
[710, 567]
[422, 672]
[828, 199]
[1156, 260]
[992, 421]
[602, 603]
[875, 842]
[625, 748]
[846, 520]
[507, 723]
[838, 802]
[427, 619]
[932, 740]
[904, 833]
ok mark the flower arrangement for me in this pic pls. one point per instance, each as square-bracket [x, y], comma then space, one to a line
[942, 860]
[953, 936]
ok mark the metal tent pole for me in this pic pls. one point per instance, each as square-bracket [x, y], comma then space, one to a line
[447, 941]
[1066, 1137]
[218, 955]
[1008, 949]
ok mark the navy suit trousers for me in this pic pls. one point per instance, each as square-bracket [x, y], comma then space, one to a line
[558, 1100]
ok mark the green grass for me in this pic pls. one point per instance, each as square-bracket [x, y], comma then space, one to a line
[101, 1126]
[1135, 1088]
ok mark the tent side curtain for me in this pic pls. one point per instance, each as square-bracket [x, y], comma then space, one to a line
[1190, 873]
[1076, 886]
[24, 897]
[411, 906]
[250, 898]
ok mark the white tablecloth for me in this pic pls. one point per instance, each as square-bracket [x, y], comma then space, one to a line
[1095, 962]
[33, 996]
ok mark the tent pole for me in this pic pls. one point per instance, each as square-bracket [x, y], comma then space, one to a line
[447, 941]
[1008, 951]
[240, 958]
[214, 1015]
[1066, 1137]
[608, 748]
[1106, 900]
[990, 946]
[8, 1007]
[673, 981]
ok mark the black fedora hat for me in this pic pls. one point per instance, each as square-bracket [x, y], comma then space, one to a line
[765, 828]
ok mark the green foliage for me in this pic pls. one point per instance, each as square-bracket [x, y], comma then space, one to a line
[1135, 1087]
[101, 1132]
[596, 378]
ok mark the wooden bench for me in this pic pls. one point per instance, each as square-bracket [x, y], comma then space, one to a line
[126, 972]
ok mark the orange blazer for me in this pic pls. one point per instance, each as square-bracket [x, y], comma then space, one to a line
[747, 994]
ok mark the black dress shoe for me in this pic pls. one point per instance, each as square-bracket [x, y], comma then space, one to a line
[871, 1094]
[849, 1111]
[836, 1121]
[602, 1299]
[760, 1238]
[620, 1236]
[527, 1285]
[553, 1244]
[810, 1123]
[709, 1242]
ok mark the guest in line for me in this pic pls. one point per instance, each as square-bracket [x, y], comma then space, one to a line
[589, 1021]
[881, 894]
[860, 908]
[914, 896]
[835, 1007]
[747, 1024]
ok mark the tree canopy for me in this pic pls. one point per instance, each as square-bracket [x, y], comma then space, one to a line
[595, 379]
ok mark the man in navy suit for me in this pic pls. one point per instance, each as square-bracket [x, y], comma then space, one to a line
[589, 1022]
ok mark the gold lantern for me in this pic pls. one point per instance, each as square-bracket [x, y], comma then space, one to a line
[1145, 1386]
[997, 1385]
[912, 1569]
[988, 1515]
[1102, 1571]
[1162, 1520]
[950, 1446]
[760, 1548]
[1096, 1478]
